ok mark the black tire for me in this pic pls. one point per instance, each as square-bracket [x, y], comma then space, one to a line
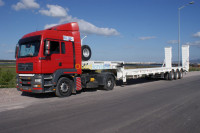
[176, 75]
[86, 52]
[171, 75]
[24, 93]
[180, 74]
[166, 76]
[148, 77]
[64, 87]
[109, 83]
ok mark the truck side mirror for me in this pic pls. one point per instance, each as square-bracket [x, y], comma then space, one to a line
[47, 48]
[16, 51]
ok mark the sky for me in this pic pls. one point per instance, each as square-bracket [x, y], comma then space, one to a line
[116, 30]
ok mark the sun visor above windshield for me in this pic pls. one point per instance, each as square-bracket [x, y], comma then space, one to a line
[30, 39]
[66, 27]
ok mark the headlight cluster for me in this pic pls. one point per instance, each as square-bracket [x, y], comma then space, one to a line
[38, 80]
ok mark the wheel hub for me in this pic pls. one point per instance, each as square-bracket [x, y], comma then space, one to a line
[86, 52]
[109, 83]
[64, 87]
[172, 75]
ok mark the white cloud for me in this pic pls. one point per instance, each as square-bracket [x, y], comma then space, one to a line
[196, 34]
[1, 3]
[10, 51]
[147, 37]
[85, 27]
[26, 4]
[89, 28]
[49, 26]
[172, 42]
[54, 11]
[196, 43]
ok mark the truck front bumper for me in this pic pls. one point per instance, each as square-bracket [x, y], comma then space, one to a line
[30, 83]
[33, 90]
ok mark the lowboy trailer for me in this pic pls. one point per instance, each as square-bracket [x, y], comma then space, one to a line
[54, 60]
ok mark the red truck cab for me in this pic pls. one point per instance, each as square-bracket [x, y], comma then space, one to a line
[45, 56]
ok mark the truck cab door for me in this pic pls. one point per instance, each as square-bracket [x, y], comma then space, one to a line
[53, 61]
[67, 55]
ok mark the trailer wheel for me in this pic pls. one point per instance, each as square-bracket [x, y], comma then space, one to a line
[180, 74]
[166, 76]
[149, 77]
[64, 87]
[86, 52]
[176, 75]
[109, 83]
[171, 75]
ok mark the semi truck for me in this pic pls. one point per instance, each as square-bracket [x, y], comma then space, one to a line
[54, 60]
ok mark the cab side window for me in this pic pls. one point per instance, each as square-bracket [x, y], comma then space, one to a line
[54, 47]
[62, 47]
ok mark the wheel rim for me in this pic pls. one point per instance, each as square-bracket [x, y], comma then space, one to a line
[109, 83]
[86, 52]
[172, 75]
[64, 87]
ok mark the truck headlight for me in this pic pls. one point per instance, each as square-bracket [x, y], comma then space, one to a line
[38, 80]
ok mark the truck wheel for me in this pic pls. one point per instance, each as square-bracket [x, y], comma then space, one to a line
[180, 74]
[86, 52]
[176, 75]
[171, 75]
[166, 76]
[110, 83]
[64, 87]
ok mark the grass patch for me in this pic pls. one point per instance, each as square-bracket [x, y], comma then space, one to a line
[194, 69]
[7, 76]
[7, 65]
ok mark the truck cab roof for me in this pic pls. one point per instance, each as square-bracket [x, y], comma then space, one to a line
[69, 27]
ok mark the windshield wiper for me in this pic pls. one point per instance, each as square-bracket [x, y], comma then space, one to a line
[30, 55]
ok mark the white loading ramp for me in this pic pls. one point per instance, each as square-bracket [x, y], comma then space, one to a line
[168, 57]
[185, 57]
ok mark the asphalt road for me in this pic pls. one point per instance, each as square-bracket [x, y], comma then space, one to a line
[141, 106]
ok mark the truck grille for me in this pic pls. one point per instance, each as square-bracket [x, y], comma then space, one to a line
[25, 67]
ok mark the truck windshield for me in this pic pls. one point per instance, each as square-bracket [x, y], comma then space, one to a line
[29, 47]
